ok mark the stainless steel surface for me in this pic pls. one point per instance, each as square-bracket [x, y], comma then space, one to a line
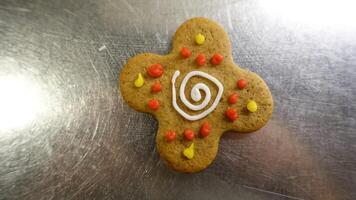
[65, 132]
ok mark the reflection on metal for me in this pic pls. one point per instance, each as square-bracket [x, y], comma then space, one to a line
[334, 14]
[19, 103]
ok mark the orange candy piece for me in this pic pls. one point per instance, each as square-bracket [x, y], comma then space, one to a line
[153, 104]
[185, 52]
[231, 114]
[201, 60]
[241, 84]
[170, 136]
[156, 87]
[155, 70]
[233, 98]
[217, 59]
[205, 129]
[189, 134]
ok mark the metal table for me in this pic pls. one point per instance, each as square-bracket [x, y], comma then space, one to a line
[65, 132]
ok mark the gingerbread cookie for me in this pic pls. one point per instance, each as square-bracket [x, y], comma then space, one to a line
[196, 93]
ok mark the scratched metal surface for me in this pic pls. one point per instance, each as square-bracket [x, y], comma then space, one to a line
[65, 132]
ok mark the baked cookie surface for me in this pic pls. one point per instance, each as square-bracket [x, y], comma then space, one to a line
[196, 93]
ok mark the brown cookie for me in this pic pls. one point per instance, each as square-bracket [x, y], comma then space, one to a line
[196, 93]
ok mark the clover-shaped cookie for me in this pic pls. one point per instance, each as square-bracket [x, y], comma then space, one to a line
[196, 93]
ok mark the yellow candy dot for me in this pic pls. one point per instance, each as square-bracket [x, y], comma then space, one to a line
[189, 152]
[139, 81]
[200, 39]
[252, 106]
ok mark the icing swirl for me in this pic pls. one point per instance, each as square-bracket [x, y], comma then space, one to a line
[195, 94]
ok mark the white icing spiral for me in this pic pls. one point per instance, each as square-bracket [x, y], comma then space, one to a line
[195, 94]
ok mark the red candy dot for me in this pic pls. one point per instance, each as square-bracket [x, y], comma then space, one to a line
[156, 87]
[205, 129]
[201, 60]
[153, 104]
[233, 98]
[231, 114]
[189, 134]
[241, 84]
[217, 59]
[185, 52]
[170, 136]
[155, 70]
